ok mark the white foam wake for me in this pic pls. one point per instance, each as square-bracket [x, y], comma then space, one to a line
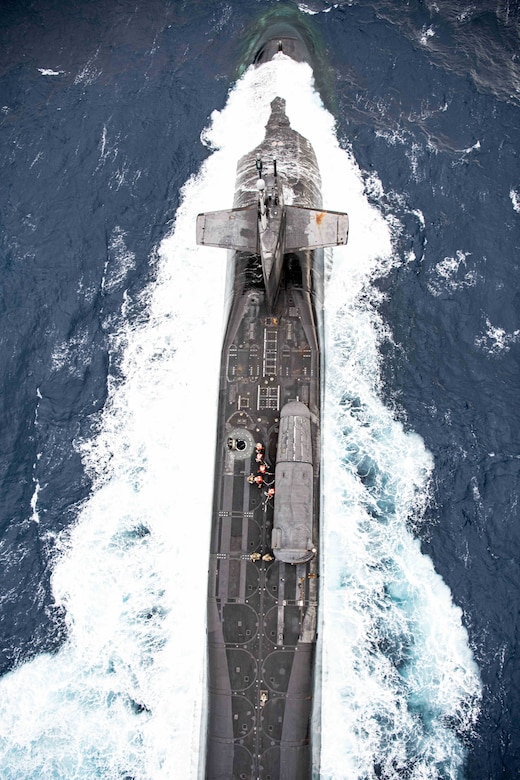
[124, 695]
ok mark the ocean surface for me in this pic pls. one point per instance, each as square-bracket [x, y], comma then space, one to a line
[119, 122]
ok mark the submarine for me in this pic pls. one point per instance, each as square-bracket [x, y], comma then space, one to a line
[264, 560]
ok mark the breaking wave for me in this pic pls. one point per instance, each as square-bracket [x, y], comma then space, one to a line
[124, 696]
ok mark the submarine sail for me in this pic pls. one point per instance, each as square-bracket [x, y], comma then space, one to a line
[264, 553]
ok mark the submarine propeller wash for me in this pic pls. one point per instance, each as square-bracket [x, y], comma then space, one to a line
[264, 554]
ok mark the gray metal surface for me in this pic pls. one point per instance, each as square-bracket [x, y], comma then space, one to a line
[292, 540]
[261, 611]
[229, 229]
[311, 228]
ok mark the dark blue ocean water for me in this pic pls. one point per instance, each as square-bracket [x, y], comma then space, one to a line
[102, 106]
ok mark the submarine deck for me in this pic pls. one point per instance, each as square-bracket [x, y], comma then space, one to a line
[261, 611]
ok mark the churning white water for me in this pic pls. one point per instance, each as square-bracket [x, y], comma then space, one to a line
[124, 696]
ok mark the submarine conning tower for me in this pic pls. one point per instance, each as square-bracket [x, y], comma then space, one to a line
[277, 208]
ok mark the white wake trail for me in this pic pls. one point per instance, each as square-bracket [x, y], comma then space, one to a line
[124, 696]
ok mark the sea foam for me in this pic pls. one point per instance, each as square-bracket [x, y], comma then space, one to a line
[125, 694]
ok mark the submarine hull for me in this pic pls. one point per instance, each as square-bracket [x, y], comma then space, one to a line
[262, 610]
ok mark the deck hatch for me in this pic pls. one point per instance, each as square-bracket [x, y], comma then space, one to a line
[268, 397]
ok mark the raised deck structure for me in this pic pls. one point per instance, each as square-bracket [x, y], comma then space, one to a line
[263, 569]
